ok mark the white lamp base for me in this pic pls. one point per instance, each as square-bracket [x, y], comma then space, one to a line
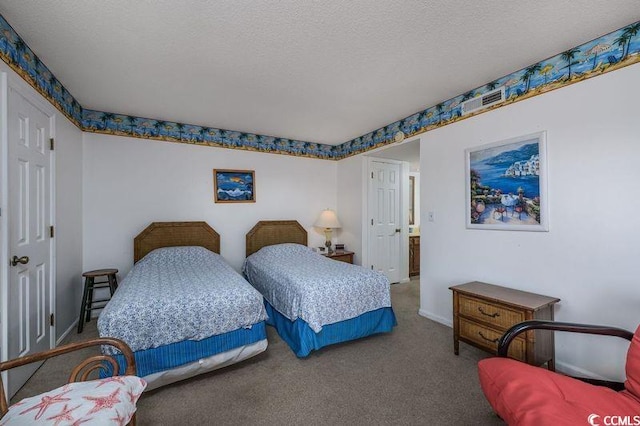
[327, 234]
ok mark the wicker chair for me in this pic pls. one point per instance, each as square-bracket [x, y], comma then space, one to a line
[81, 373]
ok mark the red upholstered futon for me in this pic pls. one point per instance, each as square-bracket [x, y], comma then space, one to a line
[522, 394]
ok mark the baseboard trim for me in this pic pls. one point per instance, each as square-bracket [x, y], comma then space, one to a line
[66, 332]
[562, 367]
[572, 370]
[436, 318]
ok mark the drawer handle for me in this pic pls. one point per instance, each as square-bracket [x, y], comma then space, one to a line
[487, 339]
[493, 315]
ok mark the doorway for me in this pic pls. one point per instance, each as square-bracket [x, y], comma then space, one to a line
[385, 215]
[407, 154]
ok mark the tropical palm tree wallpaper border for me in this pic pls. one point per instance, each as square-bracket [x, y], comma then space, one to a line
[610, 52]
[148, 128]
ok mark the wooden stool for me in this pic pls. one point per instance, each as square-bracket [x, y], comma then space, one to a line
[87, 296]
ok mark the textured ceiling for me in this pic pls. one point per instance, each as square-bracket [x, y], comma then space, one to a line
[318, 71]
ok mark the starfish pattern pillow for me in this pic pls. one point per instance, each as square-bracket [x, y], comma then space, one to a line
[109, 401]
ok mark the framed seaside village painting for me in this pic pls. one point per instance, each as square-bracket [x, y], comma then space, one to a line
[234, 186]
[506, 185]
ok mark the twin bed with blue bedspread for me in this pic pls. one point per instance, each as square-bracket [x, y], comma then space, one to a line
[183, 310]
[311, 300]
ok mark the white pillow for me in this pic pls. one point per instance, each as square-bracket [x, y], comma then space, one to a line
[110, 401]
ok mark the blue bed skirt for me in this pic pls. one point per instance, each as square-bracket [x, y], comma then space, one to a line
[166, 357]
[302, 339]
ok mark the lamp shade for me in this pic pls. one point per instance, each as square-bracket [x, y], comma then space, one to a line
[327, 219]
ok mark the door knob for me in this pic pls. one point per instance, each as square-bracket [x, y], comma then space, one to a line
[23, 260]
[398, 230]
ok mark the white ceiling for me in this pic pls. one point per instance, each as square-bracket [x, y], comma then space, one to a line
[319, 71]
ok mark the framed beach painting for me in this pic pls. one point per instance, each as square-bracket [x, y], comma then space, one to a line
[506, 185]
[234, 186]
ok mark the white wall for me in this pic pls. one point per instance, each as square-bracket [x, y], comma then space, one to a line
[350, 203]
[590, 257]
[68, 235]
[129, 183]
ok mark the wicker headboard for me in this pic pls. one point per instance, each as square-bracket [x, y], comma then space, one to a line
[172, 234]
[270, 232]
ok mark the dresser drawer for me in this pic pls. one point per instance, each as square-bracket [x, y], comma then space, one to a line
[488, 338]
[496, 315]
[483, 312]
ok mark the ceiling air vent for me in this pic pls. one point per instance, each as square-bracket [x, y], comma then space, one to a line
[484, 101]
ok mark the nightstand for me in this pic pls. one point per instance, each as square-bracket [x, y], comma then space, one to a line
[341, 256]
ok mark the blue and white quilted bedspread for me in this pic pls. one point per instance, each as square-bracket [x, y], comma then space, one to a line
[300, 283]
[179, 293]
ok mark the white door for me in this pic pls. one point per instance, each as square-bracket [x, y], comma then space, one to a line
[29, 199]
[385, 218]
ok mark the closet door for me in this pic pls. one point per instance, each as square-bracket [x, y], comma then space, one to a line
[30, 247]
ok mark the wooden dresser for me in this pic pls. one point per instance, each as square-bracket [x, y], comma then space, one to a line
[483, 312]
[414, 255]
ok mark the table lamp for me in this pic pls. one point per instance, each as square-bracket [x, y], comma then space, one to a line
[329, 221]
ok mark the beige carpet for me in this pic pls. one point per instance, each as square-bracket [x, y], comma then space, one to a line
[407, 377]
